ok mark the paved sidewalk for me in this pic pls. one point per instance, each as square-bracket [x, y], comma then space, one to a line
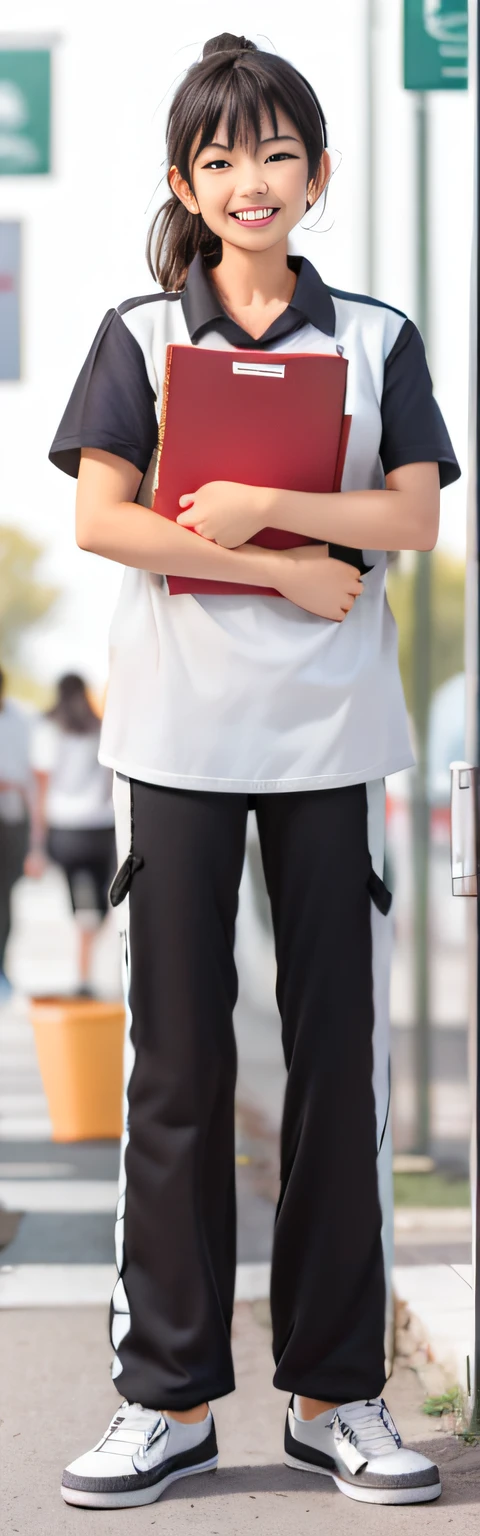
[60, 1399]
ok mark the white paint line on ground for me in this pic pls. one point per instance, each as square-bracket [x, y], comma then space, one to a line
[438, 1286]
[465, 1271]
[35, 1129]
[253, 1282]
[13, 1170]
[437, 1237]
[30, 1187]
[80, 1285]
[436, 1293]
[441, 1297]
[428, 1221]
[56, 1285]
[21, 1104]
[440, 1218]
[65, 1195]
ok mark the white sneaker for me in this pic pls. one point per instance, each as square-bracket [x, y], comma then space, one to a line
[141, 1453]
[359, 1446]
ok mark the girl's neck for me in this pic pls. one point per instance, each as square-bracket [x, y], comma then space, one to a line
[254, 289]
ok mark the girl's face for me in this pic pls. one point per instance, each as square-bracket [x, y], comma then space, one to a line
[252, 196]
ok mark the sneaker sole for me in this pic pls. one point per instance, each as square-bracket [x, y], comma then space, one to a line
[370, 1495]
[144, 1495]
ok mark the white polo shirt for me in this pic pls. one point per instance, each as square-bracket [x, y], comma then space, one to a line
[247, 693]
[79, 790]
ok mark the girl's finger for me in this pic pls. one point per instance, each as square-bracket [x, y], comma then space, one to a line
[186, 500]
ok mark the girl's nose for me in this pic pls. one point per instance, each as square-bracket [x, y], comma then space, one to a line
[252, 186]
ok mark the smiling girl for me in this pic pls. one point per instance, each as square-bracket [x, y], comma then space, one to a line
[291, 706]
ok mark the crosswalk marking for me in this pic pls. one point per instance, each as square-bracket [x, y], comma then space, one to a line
[80, 1285]
[62, 1195]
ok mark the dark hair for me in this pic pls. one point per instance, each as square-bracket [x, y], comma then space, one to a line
[236, 76]
[72, 710]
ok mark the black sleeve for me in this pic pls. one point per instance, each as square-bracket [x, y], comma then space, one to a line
[112, 405]
[413, 429]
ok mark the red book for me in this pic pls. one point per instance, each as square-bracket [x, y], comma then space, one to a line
[260, 418]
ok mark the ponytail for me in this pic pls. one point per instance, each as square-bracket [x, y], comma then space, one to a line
[174, 237]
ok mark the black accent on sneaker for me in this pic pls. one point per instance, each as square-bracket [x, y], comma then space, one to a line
[128, 1483]
[301, 1452]
[304, 1452]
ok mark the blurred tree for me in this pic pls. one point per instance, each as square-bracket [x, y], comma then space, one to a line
[448, 617]
[24, 600]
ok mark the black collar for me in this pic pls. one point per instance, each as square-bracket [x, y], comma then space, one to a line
[311, 303]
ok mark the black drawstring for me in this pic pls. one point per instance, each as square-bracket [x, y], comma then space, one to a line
[381, 896]
[123, 879]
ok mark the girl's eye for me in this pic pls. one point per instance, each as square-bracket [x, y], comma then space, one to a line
[215, 165]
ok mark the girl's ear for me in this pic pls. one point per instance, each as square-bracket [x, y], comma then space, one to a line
[319, 183]
[182, 190]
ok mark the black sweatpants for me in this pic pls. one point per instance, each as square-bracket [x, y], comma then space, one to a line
[173, 1303]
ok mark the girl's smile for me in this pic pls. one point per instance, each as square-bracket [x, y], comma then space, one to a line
[255, 216]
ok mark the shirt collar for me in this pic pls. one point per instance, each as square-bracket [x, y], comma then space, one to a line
[311, 303]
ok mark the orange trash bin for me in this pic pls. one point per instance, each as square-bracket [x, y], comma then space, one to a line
[79, 1045]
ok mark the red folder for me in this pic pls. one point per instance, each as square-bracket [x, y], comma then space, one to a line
[260, 418]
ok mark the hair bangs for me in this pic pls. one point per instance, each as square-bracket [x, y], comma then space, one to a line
[238, 96]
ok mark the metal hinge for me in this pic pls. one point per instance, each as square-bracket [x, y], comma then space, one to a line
[464, 829]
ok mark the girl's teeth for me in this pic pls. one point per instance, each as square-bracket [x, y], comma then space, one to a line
[257, 213]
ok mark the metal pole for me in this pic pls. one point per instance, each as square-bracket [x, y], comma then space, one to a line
[421, 701]
[473, 722]
[370, 241]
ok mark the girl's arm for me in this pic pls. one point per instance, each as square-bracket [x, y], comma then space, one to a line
[109, 523]
[35, 859]
[403, 516]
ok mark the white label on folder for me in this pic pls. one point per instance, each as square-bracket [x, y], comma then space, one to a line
[265, 370]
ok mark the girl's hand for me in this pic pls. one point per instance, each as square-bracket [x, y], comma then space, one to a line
[225, 512]
[308, 577]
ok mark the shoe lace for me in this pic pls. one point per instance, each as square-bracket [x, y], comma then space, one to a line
[136, 1426]
[367, 1426]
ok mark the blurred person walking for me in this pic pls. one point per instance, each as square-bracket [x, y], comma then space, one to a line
[15, 789]
[73, 817]
[290, 705]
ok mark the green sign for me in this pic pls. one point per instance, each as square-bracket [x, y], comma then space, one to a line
[436, 45]
[24, 111]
